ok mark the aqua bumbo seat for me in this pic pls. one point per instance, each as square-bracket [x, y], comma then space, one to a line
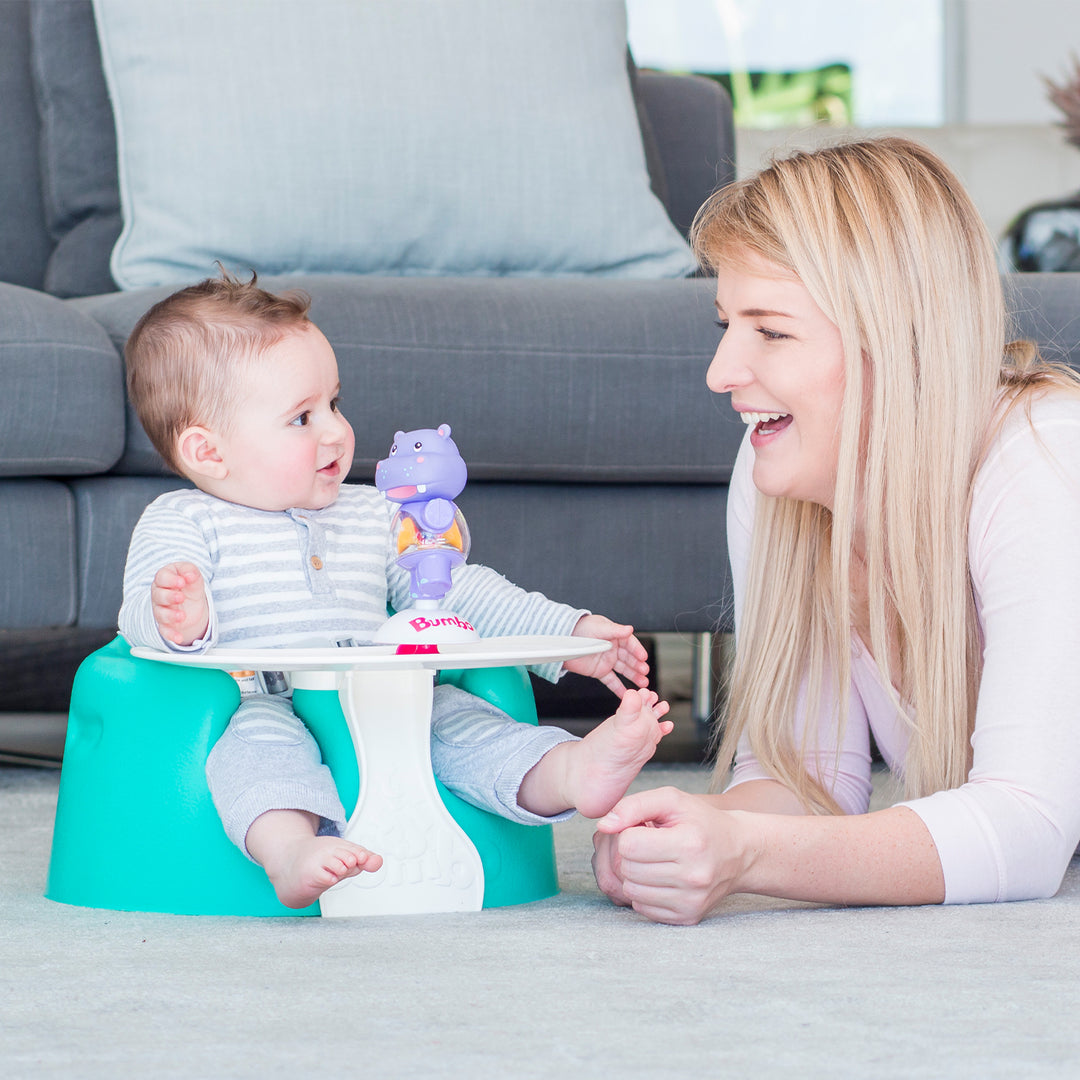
[136, 829]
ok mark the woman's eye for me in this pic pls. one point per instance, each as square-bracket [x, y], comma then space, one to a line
[771, 335]
[335, 405]
[722, 323]
[301, 420]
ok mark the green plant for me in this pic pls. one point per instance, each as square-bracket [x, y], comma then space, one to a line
[766, 99]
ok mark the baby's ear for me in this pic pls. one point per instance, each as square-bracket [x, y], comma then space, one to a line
[196, 448]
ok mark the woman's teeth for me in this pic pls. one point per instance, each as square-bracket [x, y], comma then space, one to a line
[755, 418]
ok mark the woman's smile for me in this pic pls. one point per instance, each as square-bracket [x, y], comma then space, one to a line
[765, 425]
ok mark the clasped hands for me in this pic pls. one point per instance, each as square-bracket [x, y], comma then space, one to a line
[670, 855]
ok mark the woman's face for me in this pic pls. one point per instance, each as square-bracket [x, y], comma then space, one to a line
[782, 362]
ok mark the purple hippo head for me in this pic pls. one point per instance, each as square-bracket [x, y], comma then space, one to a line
[423, 465]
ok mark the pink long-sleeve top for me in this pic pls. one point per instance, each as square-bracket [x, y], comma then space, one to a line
[1009, 832]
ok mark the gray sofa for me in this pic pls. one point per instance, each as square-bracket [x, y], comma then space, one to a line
[597, 460]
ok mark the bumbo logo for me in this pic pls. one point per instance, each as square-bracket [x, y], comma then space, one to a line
[420, 624]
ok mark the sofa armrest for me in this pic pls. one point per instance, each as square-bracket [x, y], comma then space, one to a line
[1045, 308]
[692, 122]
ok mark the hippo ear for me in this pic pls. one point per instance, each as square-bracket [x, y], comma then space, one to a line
[444, 431]
[398, 436]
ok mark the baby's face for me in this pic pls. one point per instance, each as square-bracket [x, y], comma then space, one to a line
[288, 445]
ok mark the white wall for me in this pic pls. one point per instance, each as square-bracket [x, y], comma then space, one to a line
[1005, 46]
[994, 124]
[914, 61]
[894, 47]
[1005, 167]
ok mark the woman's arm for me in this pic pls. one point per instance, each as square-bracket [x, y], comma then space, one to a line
[1007, 833]
[1010, 831]
[673, 856]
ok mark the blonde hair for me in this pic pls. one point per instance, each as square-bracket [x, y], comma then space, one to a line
[893, 251]
[186, 354]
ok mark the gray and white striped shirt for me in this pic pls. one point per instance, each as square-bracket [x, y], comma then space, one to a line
[296, 577]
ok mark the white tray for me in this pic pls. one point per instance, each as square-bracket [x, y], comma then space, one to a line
[488, 652]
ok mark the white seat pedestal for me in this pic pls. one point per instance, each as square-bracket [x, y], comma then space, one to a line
[430, 865]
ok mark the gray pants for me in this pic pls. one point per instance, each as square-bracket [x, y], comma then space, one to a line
[268, 760]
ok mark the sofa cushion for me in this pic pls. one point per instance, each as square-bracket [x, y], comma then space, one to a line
[78, 147]
[106, 512]
[62, 407]
[473, 137]
[540, 378]
[37, 545]
[652, 555]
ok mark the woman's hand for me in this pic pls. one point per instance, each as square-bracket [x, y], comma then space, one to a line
[670, 855]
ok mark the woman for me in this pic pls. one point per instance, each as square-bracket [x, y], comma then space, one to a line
[901, 522]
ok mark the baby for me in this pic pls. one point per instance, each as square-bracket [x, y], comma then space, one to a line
[239, 392]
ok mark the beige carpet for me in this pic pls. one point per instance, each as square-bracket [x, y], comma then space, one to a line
[567, 987]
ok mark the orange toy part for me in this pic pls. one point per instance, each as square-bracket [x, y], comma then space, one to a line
[410, 536]
[452, 536]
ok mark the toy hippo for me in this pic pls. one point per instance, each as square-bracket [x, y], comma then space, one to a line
[424, 473]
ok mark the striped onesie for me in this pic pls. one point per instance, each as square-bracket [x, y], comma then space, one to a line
[315, 577]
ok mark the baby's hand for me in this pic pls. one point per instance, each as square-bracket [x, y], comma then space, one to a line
[626, 656]
[178, 598]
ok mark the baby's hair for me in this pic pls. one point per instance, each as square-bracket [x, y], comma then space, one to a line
[186, 354]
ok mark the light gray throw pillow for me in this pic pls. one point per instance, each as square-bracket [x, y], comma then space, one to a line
[431, 137]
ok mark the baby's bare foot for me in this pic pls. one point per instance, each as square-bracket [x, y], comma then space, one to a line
[611, 755]
[591, 775]
[301, 871]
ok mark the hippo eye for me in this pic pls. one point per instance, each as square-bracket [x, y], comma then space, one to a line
[393, 450]
[418, 446]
